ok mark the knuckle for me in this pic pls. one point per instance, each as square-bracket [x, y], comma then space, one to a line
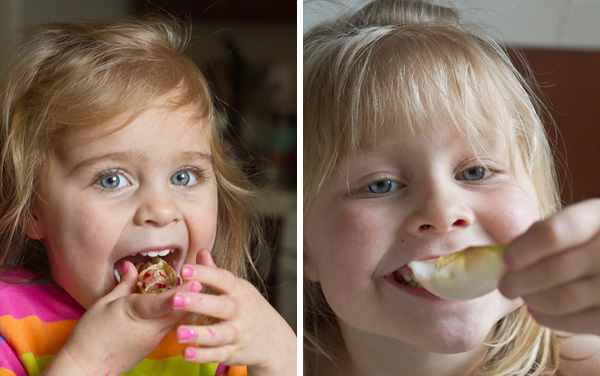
[222, 353]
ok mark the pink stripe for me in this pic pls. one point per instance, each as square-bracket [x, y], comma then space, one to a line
[9, 360]
[222, 369]
[49, 302]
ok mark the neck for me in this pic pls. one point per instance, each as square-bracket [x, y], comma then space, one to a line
[372, 354]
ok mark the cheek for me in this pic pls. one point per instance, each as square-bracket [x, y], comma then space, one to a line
[345, 244]
[201, 220]
[510, 214]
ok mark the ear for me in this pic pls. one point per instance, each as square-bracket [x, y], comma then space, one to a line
[310, 270]
[35, 227]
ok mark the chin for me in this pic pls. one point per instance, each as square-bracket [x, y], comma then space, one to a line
[456, 332]
[454, 342]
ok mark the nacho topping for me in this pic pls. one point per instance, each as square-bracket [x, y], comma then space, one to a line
[155, 276]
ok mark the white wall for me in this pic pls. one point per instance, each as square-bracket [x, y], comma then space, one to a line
[524, 23]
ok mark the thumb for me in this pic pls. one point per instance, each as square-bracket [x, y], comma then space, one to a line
[128, 282]
[204, 257]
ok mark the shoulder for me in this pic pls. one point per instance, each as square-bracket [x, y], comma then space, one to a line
[579, 354]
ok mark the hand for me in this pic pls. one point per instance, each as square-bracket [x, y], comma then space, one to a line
[119, 330]
[555, 268]
[249, 331]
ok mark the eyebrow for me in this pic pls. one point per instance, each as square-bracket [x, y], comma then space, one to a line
[139, 157]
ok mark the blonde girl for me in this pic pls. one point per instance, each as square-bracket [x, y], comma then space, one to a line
[112, 155]
[421, 139]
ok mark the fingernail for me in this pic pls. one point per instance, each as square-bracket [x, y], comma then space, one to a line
[183, 334]
[124, 268]
[189, 353]
[195, 287]
[178, 301]
[187, 272]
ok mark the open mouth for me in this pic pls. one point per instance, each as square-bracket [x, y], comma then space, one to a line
[406, 277]
[171, 256]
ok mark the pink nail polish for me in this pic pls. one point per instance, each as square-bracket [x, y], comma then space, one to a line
[195, 287]
[187, 272]
[124, 268]
[183, 334]
[212, 332]
[189, 353]
[178, 301]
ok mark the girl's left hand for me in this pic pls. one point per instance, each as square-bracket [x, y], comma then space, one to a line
[555, 268]
[248, 332]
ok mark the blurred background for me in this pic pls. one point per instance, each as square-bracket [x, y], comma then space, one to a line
[247, 50]
[561, 41]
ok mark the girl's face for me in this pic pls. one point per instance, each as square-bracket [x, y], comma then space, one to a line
[419, 196]
[110, 195]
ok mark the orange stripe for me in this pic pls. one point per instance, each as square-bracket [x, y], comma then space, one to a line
[237, 371]
[167, 348]
[32, 335]
[6, 372]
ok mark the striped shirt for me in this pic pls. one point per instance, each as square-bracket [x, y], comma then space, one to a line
[36, 319]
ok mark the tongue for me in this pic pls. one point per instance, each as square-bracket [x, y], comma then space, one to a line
[403, 271]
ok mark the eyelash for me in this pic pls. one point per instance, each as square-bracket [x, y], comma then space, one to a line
[364, 190]
[200, 174]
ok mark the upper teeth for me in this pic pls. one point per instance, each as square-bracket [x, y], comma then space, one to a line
[157, 253]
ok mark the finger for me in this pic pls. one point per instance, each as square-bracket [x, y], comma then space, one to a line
[209, 335]
[221, 280]
[568, 299]
[571, 227]
[204, 257]
[552, 271]
[154, 305]
[219, 354]
[128, 283]
[220, 307]
[581, 322]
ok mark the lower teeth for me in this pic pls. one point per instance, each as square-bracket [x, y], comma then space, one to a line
[414, 284]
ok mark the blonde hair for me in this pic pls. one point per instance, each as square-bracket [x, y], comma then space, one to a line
[73, 75]
[398, 62]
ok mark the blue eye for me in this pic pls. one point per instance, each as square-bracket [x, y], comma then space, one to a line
[382, 187]
[113, 181]
[184, 178]
[475, 173]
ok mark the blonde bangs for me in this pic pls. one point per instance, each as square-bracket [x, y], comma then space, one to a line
[368, 86]
[99, 71]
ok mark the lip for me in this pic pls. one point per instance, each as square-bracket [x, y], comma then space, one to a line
[174, 259]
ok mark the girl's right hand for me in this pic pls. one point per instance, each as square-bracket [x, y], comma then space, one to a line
[119, 330]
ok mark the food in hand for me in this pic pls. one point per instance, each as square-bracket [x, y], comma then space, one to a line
[155, 276]
[464, 275]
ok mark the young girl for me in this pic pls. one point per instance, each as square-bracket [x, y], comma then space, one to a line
[422, 139]
[111, 155]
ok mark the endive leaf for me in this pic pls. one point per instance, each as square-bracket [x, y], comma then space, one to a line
[464, 275]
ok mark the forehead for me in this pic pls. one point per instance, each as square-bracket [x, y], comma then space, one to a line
[159, 128]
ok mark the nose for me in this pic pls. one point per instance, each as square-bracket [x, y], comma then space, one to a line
[439, 209]
[157, 207]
